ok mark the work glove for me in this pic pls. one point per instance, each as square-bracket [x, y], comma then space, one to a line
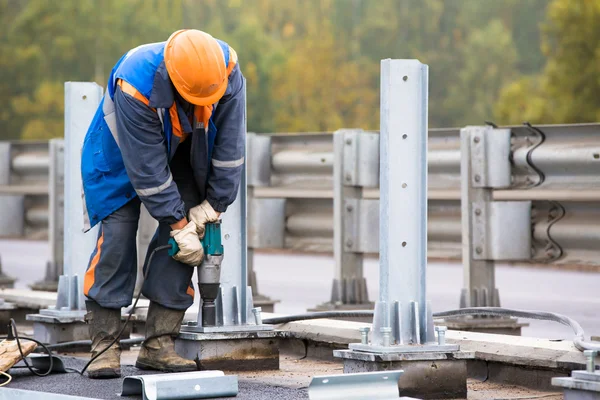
[202, 214]
[190, 249]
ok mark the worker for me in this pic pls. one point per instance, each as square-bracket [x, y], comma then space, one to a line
[169, 133]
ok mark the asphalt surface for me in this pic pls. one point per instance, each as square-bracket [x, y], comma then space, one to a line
[74, 384]
[301, 282]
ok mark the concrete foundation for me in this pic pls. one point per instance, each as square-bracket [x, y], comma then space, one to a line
[59, 333]
[241, 351]
[55, 330]
[500, 326]
[426, 375]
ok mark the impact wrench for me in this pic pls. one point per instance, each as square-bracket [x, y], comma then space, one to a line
[209, 275]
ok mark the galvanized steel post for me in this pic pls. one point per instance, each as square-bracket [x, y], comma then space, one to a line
[402, 303]
[348, 265]
[56, 203]
[81, 101]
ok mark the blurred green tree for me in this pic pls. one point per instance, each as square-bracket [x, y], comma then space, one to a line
[310, 64]
[567, 89]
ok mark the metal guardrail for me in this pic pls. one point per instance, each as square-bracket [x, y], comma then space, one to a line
[297, 170]
[24, 189]
[292, 186]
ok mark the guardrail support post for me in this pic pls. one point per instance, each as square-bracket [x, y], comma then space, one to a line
[266, 217]
[56, 178]
[239, 340]
[355, 220]
[403, 320]
[486, 235]
[64, 322]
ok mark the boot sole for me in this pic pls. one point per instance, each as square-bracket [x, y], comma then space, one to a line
[162, 368]
[104, 374]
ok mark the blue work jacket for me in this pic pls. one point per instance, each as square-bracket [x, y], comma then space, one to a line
[136, 130]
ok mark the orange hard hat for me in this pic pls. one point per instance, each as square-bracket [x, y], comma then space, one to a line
[196, 66]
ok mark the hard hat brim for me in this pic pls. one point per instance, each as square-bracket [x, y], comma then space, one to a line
[203, 101]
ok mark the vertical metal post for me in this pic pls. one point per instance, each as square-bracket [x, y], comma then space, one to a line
[403, 203]
[478, 275]
[348, 265]
[5, 163]
[56, 204]
[235, 294]
[81, 101]
[12, 212]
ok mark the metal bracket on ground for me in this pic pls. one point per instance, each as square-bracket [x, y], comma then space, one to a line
[183, 385]
[362, 386]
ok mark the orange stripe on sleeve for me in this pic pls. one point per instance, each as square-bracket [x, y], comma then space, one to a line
[88, 280]
[126, 87]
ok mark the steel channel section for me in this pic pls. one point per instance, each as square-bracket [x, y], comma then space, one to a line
[234, 302]
[183, 385]
[361, 386]
[403, 202]
[478, 275]
[348, 265]
[56, 205]
[81, 101]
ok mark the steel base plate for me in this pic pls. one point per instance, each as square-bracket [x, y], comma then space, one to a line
[57, 317]
[421, 348]
[193, 328]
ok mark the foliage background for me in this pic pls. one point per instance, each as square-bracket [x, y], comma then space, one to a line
[313, 65]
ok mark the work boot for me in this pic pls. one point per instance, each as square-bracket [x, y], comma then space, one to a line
[104, 325]
[158, 350]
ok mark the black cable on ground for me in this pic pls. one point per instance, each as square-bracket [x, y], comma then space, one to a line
[13, 330]
[82, 343]
[318, 315]
[578, 340]
[116, 339]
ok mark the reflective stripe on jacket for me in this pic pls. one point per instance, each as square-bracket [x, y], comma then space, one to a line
[136, 130]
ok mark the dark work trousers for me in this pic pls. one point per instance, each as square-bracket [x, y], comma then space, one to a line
[111, 273]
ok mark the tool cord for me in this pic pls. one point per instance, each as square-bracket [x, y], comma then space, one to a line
[137, 298]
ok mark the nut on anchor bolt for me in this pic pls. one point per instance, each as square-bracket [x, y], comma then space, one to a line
[590, 356]
[364, 334]
[441, 330]
[257, 317]
[386, 336]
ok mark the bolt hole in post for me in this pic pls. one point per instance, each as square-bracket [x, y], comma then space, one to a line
[404, 136]
[404, 186]
[403, 244]
[227, 236]
[405, 78]
[596, 156]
